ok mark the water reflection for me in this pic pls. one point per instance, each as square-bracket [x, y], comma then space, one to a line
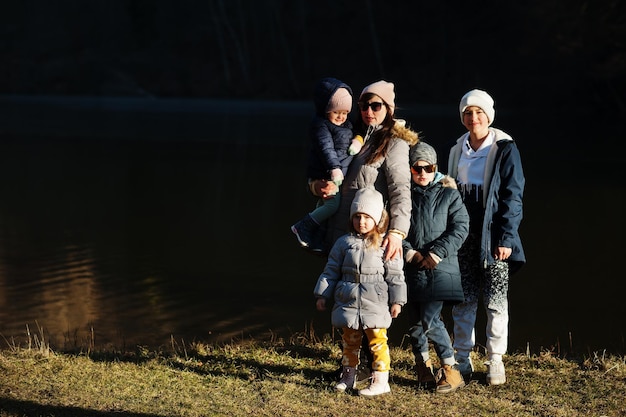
[124, 242]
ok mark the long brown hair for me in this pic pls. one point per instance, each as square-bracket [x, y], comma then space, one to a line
[379, 139]
[374, 238]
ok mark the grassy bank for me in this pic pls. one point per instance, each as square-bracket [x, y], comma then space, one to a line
[288, 378]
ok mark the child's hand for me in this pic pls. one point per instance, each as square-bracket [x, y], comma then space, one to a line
[336, 176]
[395, 310]
[320, 304]
[355, 145]
[417, 258]
[428, 262]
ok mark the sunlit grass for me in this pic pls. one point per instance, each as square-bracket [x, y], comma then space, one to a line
[287, 377]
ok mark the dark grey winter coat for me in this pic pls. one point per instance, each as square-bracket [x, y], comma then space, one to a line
[362, 285]
[389, 176]
[439, 224]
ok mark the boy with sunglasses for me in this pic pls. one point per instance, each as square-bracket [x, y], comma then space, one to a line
[439, 226]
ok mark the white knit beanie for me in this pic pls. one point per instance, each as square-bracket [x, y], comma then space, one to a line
[480, 99]
[384, 90]
[368, 201]
[340, 100]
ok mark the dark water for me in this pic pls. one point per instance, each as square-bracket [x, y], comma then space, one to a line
[124, 230]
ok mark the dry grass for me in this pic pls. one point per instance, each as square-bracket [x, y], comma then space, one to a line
[294, 378]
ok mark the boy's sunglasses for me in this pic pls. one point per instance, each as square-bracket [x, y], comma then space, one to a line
[416, 169]
[375, 105]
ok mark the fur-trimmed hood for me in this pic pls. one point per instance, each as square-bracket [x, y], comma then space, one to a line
[402, 131]
[399, 130]
[446, 180]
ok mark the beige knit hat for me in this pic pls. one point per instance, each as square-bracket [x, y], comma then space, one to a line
[368, 201]
[382, 89]
[340, 100]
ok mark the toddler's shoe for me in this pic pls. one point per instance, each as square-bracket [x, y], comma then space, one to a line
[304, 230]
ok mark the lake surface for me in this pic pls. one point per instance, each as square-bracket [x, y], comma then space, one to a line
[127, 223]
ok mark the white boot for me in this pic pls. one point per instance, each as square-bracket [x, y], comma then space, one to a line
[379, 385]
[348, 379]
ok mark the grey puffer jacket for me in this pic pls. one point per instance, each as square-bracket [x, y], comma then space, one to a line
[439, 224]
[362, 285]
[389, 176]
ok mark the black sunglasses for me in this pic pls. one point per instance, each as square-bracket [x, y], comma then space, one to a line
[375, 105]
[416, 169]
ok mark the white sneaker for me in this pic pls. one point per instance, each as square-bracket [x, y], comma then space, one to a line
[495, 372]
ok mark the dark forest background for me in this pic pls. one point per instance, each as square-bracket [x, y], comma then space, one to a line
[137, 134]
[557, 53]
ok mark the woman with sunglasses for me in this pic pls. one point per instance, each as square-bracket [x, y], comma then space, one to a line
[381, 164]
[486, 164]
[439, 226]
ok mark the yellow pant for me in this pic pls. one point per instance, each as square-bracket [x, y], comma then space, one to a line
[377, 340]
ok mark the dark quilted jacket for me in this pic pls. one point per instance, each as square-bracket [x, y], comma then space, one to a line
[439, 224]
[329, 142]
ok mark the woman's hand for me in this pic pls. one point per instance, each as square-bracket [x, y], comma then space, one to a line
[392, 245]
[320, 304]
[324, 189]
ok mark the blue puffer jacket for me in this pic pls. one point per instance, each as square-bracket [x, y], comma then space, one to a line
[362, 285]
[439, 224]
[329, 142]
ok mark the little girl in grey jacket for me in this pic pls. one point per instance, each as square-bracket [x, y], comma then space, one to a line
[368, 292]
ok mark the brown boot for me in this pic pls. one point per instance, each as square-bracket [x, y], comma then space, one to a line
[424, 374]
[449, 379]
